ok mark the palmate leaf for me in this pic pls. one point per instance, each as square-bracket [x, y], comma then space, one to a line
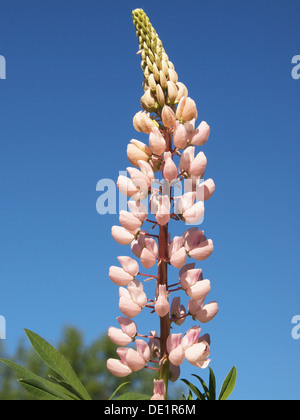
[39, 387]
[57, 362]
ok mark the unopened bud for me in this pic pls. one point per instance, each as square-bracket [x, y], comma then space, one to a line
[160, 96]
[172, 92]
[163, 80]
[148, 101]
[168, 117]
[186, 110]
[143, 123]
[136, 151]
[165, 67]
[173, 76]
[152, 82]
[182, 91]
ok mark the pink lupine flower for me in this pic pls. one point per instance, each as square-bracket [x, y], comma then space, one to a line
[133, 299]
[143, 349]
[127, 326]
[126, 186]
[168, 117]
[122, 235]
[198, 165]
[118, 337]
[154, 345]
[159, 391]
[157, 142]
[175, 350]
[129, 265]
[187, 157]
[126, 334]
[201, 134]
[170, 171]
[191, 337]
[136, 151]
[139, 210]
[139, 179]
[146, 169]
[203, 313]
[162, 305]
[189, 277]
[200, 290]
[129, 221]
[177, 252]
[146, 249]
[197, 246]
[134, 360]
[163, 213]
[118, 368]
[194, 214]
[197, 354]
[187, 109]
[177, 311]
[180, 136]
[119, 276]
[206, 189]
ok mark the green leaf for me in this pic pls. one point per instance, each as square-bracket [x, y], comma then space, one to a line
[118, 389]
[194, 389]
[228, 384]
[38, 393]
[212, 385]
[31, 381]
[132, 396]
[204, 386]
[57, 362]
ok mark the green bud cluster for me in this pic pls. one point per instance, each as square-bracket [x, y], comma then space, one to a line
[160, 83]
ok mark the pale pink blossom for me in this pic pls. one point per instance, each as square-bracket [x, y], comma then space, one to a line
[162, 305]
[119, 276]
[194, 214]
[187, 109]
[159, 391]
[189, 277]
[175, 350]
[177, 252]
[117, 336]
[138, 209]
[205, 189]
[180, 136]
[157, 142]
[129, 221]
[163, 213]
[118, 368]
[122, 235]
[197, 245]
[126, 186]
[133, 299]
[199, 290]
[129, 265]
[127, 326]
[178, 311]
[170, 172]
[203, 313]
[198, 165]
[136, 151]
[197, 354]
[168, 117]
[201, 134]
[146, 249]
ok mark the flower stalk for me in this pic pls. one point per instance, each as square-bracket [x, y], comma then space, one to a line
[168, 117]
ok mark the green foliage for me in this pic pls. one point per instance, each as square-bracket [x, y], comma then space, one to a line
[210, 393]
[88, 361]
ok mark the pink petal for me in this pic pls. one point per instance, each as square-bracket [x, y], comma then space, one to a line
[117, 368]
[203, 250]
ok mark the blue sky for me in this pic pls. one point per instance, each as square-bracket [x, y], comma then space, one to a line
[73, 85]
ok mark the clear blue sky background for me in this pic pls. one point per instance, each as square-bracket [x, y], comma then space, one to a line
[73, 85]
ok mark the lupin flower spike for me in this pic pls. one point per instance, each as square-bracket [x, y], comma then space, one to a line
[168, 118]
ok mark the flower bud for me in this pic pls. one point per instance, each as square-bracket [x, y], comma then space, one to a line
[148, 101]
[152, 82]
[168, 117]
[182, 91]
[180, 136]
[157, 142]
[136, 151]
[201, 135]
[160, 96]
[186, 110]
[163, 80]
[173, 76]
[143, 123]
[172, 92]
